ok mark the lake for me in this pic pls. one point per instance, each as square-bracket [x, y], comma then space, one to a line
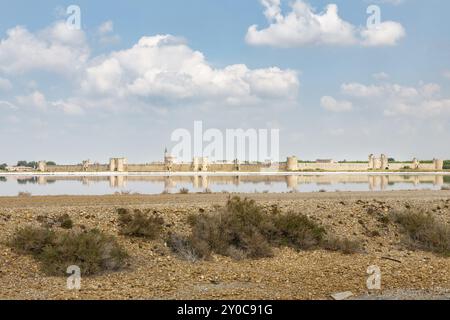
[11, 185]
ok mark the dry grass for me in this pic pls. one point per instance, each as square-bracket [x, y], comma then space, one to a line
[424, 232]
[140, 224]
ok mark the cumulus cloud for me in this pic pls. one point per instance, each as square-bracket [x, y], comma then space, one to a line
[304, 26]
[165, 67]
[331, 104]
[158, 71]
[55, 49]
[386, 34]
[423, 100]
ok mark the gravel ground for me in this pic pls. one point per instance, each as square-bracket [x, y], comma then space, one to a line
[155, 273]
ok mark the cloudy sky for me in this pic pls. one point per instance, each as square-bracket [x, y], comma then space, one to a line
[138, 70]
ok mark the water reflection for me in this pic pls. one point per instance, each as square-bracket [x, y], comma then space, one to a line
[53, 185]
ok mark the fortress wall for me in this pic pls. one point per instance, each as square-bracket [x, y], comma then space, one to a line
[223, 167]
[334, 166]
[145, 168]
[77, 168]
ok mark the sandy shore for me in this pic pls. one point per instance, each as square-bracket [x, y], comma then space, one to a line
[155, 273]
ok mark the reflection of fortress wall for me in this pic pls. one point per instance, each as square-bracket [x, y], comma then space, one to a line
[375, 182]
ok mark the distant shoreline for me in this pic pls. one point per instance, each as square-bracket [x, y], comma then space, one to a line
[224, 174]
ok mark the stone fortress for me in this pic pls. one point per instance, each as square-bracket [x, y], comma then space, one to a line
[202, 164]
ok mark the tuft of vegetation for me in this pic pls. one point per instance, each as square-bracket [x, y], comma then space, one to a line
[446, 165]
[243, 230]
[445, 188]
[93, 251]
[24, 194]
[424, 232]
[32, 240]
[31, 164]
[139, 224]
[3, 166]
[344, 245]
[184, 191]
[65, 221]
[296, 231]
[183, 248]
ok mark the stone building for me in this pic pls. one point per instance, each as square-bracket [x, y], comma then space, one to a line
[117, 164]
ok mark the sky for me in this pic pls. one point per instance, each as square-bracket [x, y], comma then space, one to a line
[334, 84]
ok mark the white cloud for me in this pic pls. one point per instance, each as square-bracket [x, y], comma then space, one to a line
[380, 76]
[56, 49]
[105, 33]
[106, 27]
[303, 26]
[157, 72]
[331, 104]
[34, 100]
[423, 100]
[68, 107]
[387, 33]
[164, 67]
[7, 105]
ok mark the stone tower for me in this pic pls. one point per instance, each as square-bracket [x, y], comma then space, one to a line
[438, 164]
[384, 162]
[292, 164]
[371, 161]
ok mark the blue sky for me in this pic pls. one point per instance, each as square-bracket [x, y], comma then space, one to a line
[332, 94]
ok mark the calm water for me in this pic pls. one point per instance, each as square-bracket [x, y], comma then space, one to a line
[98, 185]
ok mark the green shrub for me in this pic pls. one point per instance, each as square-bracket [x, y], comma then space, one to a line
[446, 165]
[31, 240]
[296, 231]
[92, 251]
[236, 230]
[241, 229]
[139, 224]
[65, 221]
[423, 231]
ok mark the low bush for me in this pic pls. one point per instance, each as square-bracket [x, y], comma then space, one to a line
[344, 245]
[139, 224]
[424, 232]
[183, 248]
[24, 194]
[242, 229]
[65, 221]
[92, 251]
[296, 231]
[31, 240]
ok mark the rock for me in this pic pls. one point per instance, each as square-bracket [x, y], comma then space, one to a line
[342, 295]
